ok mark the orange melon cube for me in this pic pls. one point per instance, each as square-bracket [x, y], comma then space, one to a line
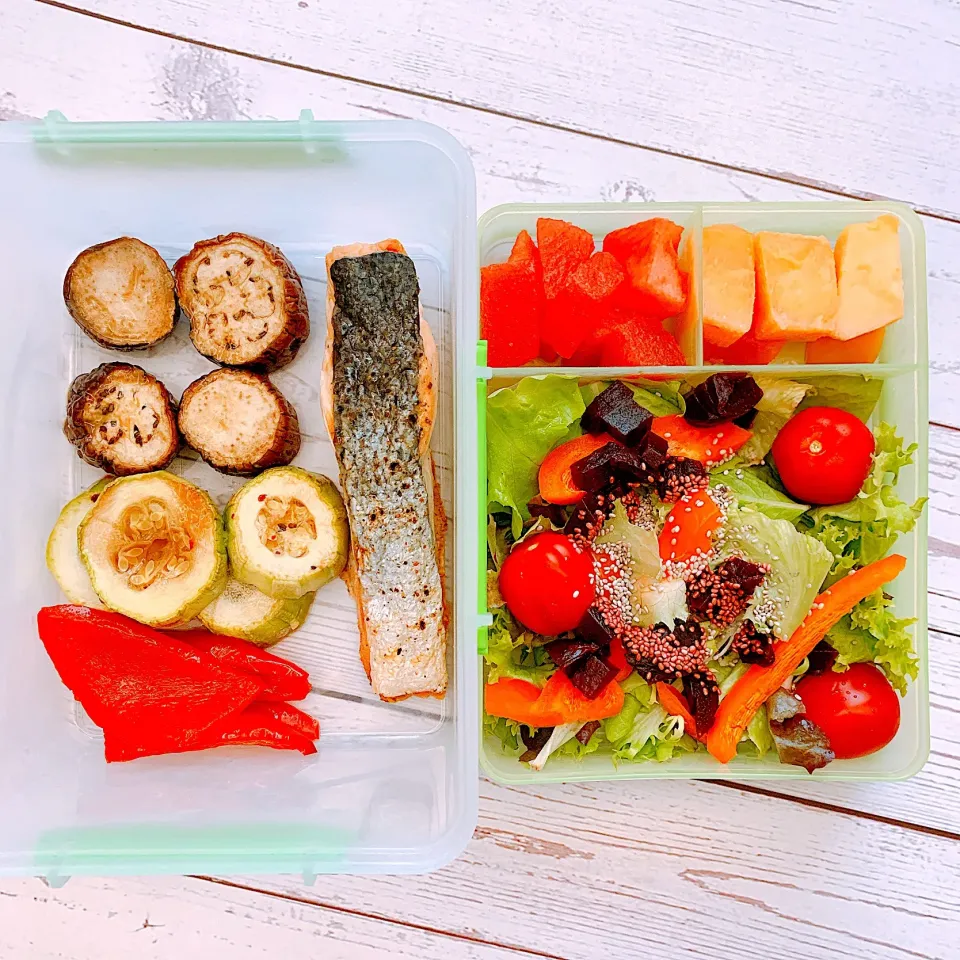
[869, 277]
[796, 287]
[728, 283]
[862, 349]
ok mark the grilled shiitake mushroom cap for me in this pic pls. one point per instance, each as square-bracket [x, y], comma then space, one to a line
[239, 422]
[121, 294]
[122, 420]
[245, 302]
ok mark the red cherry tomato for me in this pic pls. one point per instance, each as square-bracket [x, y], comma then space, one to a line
[858, 710]
[547, 583]
[823, 455]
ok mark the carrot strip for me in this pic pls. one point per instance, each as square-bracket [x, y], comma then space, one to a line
[672, 701]
[758, 684]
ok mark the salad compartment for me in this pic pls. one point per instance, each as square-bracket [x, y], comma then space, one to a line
[901, 368]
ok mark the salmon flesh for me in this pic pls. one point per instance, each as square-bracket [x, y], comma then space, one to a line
[388, 483]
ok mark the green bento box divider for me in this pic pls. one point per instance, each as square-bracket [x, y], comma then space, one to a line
[483, 374]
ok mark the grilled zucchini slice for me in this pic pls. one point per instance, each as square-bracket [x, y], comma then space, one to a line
[122, 420]
[245, 302]
[248, 613]
[153, 546]
[121, 294]
[239, 422]
[63, 555]
[287, 532]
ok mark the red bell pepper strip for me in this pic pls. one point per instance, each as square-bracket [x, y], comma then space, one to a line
[281, 679]
[558, 702]
[128, 676]
[561, 698]
[618, 658]
[288, 714]
[516, 700]
[260, 724]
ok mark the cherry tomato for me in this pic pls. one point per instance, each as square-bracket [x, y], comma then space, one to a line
[547, 583]
[858, 710]
[823, 455]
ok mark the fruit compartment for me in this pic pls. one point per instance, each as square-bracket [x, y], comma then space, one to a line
[904, 344]
[902, 403]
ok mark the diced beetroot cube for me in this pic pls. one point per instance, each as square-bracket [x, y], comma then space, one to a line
[649, 253]
[509, 308]
[591, 675]
[563, 247]
[594, 629]
[565, 653]
[615, 411]
[603, 468]
[641, 345]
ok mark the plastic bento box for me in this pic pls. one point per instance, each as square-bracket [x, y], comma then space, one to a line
[394, 786]
[903, 367]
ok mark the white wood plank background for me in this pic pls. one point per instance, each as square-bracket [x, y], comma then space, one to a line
[666, 100]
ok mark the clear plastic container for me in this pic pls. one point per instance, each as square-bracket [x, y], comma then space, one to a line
[394, 786]
[902, 365]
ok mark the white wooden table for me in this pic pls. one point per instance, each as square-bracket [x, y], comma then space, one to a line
[670, 100]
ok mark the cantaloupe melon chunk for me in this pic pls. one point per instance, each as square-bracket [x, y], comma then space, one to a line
[863, 349]
[796, 287]
[869, 277]
[728, 283]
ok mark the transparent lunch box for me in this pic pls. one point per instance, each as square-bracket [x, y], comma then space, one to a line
[394, 786]
[903, 402]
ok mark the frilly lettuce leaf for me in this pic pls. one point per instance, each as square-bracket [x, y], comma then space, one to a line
[866, 528]
[510, 653]
[872, 634]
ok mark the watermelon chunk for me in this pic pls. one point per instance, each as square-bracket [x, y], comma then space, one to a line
[589, 353]
[649, 253]
[510, 302]
[582, 304]
[640, 344]
[563, 247]
[525, 254]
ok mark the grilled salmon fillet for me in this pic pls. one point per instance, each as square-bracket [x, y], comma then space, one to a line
[379, 397]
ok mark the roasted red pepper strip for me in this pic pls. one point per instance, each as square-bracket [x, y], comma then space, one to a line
[130, 677]
[288, 714]
[281, 679]
[260, 724]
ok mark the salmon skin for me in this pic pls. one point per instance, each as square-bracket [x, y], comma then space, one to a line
[381, 386]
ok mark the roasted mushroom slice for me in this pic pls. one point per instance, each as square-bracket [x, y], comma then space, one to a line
[245, 302]
[122, 420]
[239, 422]
[121, 294]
